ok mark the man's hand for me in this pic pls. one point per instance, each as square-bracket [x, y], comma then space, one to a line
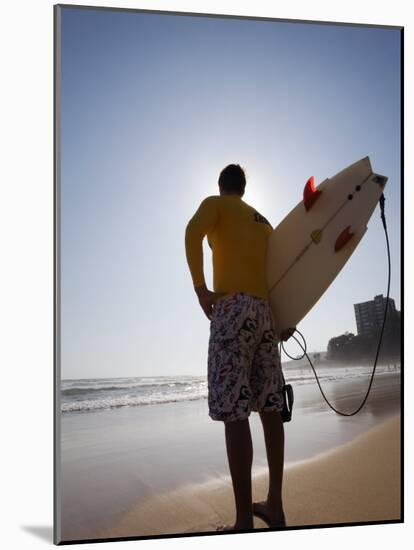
[207, 299]
[287, 333]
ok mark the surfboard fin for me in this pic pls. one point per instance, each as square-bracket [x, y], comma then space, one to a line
[343, 238]
[310, 193]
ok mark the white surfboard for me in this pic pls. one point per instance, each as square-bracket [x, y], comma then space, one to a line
[311, 245]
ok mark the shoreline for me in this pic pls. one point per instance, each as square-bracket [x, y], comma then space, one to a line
[356, 482]
[114, 460]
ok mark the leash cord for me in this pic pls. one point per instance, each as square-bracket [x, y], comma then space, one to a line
[304, 347]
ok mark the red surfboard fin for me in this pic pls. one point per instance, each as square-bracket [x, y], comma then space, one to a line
[310, 193]
[343, 238]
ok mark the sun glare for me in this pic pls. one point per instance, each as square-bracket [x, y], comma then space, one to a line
[255, 194]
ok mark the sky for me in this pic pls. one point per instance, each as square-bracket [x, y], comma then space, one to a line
[153, 106]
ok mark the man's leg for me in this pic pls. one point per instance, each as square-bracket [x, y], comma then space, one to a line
[272, 509]
[240, 456]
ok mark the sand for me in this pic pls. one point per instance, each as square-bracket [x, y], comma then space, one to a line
[356, 482]
[142, 458]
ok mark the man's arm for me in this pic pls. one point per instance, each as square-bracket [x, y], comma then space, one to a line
[200, 224]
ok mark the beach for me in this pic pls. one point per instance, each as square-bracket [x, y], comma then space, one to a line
[357, 482]
[162, 469]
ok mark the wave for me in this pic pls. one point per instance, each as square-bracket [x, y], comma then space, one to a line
[78, 390]
[99, 394]
[128, 401]
[330, 376]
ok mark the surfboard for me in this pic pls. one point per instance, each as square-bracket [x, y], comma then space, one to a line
[308, 249]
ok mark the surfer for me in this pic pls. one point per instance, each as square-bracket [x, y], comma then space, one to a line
[244, 369]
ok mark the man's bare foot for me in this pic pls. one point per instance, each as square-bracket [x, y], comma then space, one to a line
[224, 528]
[269, 516]
[233, 528]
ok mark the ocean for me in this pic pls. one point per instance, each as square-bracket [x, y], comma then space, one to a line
[94, 394]
[123, 440]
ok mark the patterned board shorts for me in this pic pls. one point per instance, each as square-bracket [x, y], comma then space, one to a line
[244, 369]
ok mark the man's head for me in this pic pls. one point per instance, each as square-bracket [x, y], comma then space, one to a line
[232, 180]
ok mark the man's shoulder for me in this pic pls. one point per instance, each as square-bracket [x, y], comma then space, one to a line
[257, 217]
[211, 200]
[261, 219]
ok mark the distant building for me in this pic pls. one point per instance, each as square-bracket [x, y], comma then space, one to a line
[369, 315]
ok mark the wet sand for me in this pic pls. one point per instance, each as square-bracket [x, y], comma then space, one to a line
[355, 483]
[115, 461]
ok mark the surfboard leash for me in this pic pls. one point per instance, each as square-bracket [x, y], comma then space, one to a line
[304, 346]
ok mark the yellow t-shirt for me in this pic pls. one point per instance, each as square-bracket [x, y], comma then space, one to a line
[238, 236]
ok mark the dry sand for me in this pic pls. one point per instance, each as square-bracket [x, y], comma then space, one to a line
[357, 482]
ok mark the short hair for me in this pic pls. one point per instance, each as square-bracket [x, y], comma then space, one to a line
[232, 179]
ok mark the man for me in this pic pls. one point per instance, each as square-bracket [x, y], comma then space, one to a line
[244, 370]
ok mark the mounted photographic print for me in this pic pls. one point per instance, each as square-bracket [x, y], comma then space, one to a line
[228, 305]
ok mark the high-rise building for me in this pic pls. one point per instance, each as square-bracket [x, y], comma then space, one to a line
[369, 315]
